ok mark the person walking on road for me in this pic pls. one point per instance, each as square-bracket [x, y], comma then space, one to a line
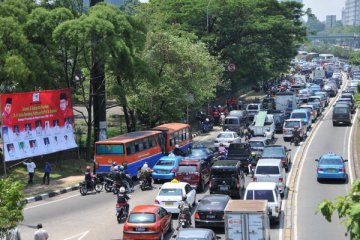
[30, 169]
[47, 172]
[40, 234]
[13, 234]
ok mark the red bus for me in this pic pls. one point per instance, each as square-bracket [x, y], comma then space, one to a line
[134, 148]
[174, 134]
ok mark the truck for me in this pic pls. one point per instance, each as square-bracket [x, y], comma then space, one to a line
[286, 102]
[247, 220]
[263, 125]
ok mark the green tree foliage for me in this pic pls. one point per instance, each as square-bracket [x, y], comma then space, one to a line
[355, 58]
[313, 25]
[11, 204]
[348, 209]
[341, 52]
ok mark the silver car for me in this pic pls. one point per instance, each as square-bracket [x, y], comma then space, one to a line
[196, 233]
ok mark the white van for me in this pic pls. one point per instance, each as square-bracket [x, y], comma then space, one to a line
[271, 170]
[266, 191]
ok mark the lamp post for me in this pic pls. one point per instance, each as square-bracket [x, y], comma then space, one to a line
[207, 16]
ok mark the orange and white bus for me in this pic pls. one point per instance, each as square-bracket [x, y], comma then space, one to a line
[174, 134]
[134, 148]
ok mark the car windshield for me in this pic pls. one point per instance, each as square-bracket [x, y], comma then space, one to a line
[252, 107]
[141, 218]
[212, 204]
[198, 152]
[292, 124]
[260, 195]
[314, 100]
[298, 115]
[225, 135]
[331, 161]
[165, 163]
[222, 173]
[341, 110]
[267, 170]
[170, 192]
[187, 169]
[273, 152]
[256, 144]
[231, 121]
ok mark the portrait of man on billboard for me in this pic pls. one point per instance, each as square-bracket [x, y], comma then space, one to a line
[6, 115]
[65, 109]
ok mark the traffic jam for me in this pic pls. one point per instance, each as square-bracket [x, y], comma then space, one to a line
[241, 174]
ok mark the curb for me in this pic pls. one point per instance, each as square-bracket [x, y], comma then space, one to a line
[354, 148]
[50, 194]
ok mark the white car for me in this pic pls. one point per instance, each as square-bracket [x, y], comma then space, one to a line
[226, 138]
[171, 194]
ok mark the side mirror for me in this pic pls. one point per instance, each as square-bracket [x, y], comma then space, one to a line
[316, 160]
[346, 160]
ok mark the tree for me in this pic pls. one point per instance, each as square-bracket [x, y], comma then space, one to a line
[348, 208]
[355, 58]
[313, 24]
[11, 204]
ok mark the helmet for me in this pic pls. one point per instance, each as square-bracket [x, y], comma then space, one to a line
[88, 168]
[145, 165]
[184, 197]
[116, 168]
[219, 106]
[122, 190]
[221, 144]
[177, 146]
[207, 120]
[253, 154]
[121, 168]
[114, 164]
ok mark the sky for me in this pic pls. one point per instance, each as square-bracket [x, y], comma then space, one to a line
[321, 8]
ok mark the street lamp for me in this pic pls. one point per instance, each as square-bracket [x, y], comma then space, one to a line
[207, 16]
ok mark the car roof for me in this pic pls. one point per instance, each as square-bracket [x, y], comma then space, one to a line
[268, 161]
[299, 111]
[257, 139]
[277, 146]
[194, 233]
[170, 158]
[230, 163]
[226, 132]
[145, 209]
[261, 186]
[213, 196]
[331, 155]
[293, 119]
[306, 106]
[173, 185]
[189, 162]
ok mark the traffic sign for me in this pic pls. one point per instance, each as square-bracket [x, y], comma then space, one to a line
[231, 67]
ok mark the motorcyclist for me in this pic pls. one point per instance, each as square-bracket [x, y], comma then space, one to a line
[252, 161]
[222, 119]
[120, 178]
[112, 166]
[178, 151]
[125, 178]
[222, 150]
[296, 134]
[89, 177]
[184, 207]
[145, 172]
[122, 197]
[128, 177]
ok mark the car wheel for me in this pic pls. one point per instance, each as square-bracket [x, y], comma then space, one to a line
[334, 124]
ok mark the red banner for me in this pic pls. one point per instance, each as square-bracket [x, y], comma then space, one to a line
[36, 123]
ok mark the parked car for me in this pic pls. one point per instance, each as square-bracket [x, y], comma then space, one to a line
[227, 138]
[278, 152]
[200, 152]
[266, 191]
[271, 170]
[194, 172]
[165, 167]
[227, 178]
[147, 222]
[210, 211]
[331, 166]
[196, 233]
[289, 126]
[171, 193]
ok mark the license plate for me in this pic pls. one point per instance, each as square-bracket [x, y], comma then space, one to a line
[162, 170]
[224, 188]
[210, 216]
[331, 170]
[140, 229]
[187, 178]
[168, 203]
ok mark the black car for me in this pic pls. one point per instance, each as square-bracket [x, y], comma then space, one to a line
[227, 178]
[240, 152]
[200, 152]
[210, 211]
[278, 152]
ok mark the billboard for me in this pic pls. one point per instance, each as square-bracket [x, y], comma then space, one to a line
[36, 123]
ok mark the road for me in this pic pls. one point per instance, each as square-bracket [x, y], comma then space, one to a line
[310, 193]
[71, 216]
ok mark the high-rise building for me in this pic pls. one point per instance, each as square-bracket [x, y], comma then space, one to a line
[351, 13]
[330, 21]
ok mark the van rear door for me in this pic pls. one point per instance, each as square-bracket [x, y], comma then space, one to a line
[269, 173]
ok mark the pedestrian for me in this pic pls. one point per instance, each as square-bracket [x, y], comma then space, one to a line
[30, 169]
[47, 172]
[13, 234]
[40, 234]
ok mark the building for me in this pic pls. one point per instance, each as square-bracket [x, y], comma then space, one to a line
[351, 13]
[330, 21]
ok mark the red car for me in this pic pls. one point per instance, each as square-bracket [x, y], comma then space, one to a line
[147, 222]
[194, 172]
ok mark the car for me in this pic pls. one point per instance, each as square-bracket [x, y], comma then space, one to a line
[227, 178]
[289, 126]
[304, 95]
[253, 109]
[257, 144]
[314, 88]
[279, 118]
[304, 115]
[196, 234]
[311, 109]
[194, 172]
[165, 167]
[210, 211]
[341, 114]
[147, 222]
[348, 101]
[317, 99]
[331, 89]
[278, 152]
[171, 193]
[331, 166]
[226, 138]
[325, 95]
[200, 152]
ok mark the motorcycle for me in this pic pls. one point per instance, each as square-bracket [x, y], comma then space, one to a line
[184, 221]
[85, 187]
[121, 211]
[144, 184]
[296, 140]
[117, 185]
[108, 185]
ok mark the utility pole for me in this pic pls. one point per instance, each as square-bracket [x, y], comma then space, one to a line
[97, 74]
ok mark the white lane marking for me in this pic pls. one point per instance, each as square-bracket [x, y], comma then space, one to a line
[54, 201]
[78, 236]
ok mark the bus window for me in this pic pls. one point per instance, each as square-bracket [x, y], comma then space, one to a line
[146, 143]
[109, 149]
[187, 133]
[172, 139]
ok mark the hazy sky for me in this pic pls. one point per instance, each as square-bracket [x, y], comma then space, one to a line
[321, 8]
